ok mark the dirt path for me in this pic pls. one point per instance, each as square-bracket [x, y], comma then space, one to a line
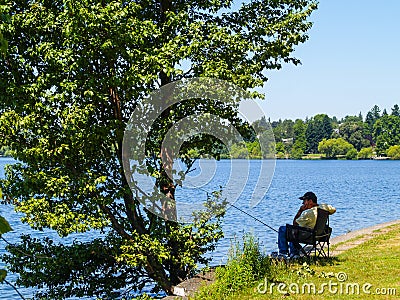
[343, 242]
[346, 242]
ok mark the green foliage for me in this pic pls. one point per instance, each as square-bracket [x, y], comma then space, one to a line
[71, 78]
[295, 139]
[394, 152]
[299, 130]
[297, 153]
[386, 133]
[254, 149]
[3, 41]
[246, 265]
[372, 116]
[283, 129]
[4, 225]
[318, 128]
[239, 150]
[144, 296]
[351, 154]
[246, 150]
[280, 149]
[334, 147]
[396, 110]
[354, 132]
[365, 153]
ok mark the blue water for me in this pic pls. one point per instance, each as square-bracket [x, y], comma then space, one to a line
[365, 193]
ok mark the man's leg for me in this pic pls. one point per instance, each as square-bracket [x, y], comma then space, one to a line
[282, 242]
[294, 248]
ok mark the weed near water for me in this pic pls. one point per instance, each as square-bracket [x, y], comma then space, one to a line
[246, 265]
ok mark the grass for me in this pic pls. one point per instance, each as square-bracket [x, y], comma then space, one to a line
[373, 265]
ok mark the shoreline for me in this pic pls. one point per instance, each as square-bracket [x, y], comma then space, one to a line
[362, 235]
[342, 243]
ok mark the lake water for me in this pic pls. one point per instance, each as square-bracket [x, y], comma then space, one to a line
[365, 193]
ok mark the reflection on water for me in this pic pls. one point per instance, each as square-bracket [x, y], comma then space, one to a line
[365, 193]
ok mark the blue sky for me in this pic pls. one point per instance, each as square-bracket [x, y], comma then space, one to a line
[350, 63]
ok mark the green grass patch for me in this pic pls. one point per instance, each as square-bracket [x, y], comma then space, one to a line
[367, 271]
[246, 265]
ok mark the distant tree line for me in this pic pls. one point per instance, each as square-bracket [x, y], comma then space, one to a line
[352, 137]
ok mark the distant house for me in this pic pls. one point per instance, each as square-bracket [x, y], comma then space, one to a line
[287, 141]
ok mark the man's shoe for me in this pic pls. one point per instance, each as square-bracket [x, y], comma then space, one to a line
[274, 254]
[280, 256]
[283, 256]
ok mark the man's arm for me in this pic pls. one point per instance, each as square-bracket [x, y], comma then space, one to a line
[302, 208]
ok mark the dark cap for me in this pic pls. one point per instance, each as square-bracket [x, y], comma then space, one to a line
[309, 195]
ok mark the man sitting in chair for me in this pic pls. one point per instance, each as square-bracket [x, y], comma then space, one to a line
[305, 217]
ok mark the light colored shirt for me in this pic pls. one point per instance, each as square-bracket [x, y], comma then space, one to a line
[308, 218]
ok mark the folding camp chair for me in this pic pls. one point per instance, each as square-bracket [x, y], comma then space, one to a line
[318, 237]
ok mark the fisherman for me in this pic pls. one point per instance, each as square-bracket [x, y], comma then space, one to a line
[305, 217]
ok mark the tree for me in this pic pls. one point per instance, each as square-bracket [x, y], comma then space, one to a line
[354, 132]
[254, 149]
[394, 152]
[386, 133]
[73, 75]
[260, 125]
[300, 143]
[280, 150]
[396, 110]
[334, 147]
[372, 116]
[351, 154]
[375, 111]
[318, 128]
[239, 150]
[365, 153]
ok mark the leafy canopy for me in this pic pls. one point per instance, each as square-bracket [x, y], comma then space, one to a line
[71, 78]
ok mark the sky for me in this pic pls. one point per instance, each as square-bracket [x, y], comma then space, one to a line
[350, 63]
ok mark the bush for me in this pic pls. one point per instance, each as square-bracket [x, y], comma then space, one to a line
[351, 154]
[365, 153]
[394, 152]
[246, 265]
[334, 147]
[297, 153]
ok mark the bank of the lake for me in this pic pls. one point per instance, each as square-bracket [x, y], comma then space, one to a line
[339, 245]
[365, 193]
[366, 271]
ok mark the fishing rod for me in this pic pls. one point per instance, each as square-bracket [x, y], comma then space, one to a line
[244, 212]
[254, 217]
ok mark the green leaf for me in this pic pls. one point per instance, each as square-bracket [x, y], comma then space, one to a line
[4, 226]
[3, 274]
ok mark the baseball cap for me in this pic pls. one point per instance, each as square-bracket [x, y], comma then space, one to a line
[309, 195]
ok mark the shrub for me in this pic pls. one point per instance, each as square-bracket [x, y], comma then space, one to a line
[351, 154]
[334, 147]
[297, 153]
[246, 265]
[394, 152]
[365, 153]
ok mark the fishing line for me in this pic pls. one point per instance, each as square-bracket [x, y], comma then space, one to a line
[254, 218]
[200, 188]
